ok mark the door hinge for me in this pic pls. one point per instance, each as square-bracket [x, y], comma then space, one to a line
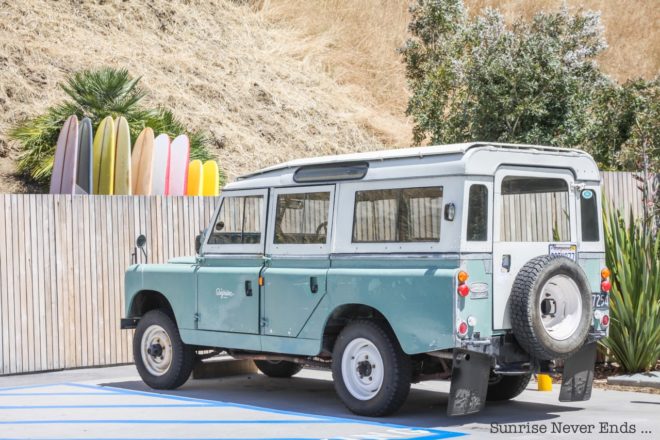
[196, 317]
[264, 322]
[578, 187]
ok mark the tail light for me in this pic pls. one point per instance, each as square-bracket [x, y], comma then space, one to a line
[605, 320]
[462, 289]
[605, 284]
[462, 329]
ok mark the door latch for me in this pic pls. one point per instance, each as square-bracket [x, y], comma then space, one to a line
[506, 263]
[313, 284]
[248, 288]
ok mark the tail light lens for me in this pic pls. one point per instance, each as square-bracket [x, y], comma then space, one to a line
[462, 289]
[605, 320]
[462, 329]
[605, 284]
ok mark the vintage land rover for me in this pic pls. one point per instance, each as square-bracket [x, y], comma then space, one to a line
[481, 263]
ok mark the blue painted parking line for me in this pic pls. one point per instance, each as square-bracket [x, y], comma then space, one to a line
[323, 423]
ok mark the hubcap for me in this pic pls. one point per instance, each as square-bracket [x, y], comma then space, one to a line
[560, 307]
[156, 350]
[362, 369]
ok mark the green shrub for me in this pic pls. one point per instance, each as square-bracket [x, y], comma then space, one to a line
[633, 255]
[95, 94]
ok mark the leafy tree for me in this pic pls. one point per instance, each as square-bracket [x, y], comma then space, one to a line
[95, 94]
[478, 79]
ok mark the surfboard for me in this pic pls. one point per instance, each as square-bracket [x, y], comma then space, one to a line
[104, 157]
[195, 178]
[65, 162]
[179, 159]
[160, 179]
[142, 162]
[84, 177]
[211, 183]
[122, 157]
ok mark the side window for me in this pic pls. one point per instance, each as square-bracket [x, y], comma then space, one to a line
[589, 215]
[535, 210]
[239, 221]
[477, 219]
[397, 215]
[302, 218]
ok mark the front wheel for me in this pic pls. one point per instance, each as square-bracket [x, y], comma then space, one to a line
[370, 371]
[162, 359]
[506, 387]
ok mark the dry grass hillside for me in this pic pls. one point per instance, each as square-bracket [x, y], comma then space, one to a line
[269, 79]
[219, 65]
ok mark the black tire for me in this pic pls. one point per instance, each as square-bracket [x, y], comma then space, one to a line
[526, 314]
[182, 355]
[278, 369]
[506, 387]
[396, 370]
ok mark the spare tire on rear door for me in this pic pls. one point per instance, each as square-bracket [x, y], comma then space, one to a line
[551, 307]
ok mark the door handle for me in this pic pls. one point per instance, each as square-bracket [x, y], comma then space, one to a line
[506, 262]
[248, 288]
[313, 284]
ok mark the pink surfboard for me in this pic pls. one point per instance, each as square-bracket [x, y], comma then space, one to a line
[65, 164]
[160, 177]
[179, 161]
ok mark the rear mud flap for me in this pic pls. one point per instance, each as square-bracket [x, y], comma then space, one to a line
[469, 382]
[578, 375]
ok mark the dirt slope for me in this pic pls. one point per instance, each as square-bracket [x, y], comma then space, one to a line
[218, 64]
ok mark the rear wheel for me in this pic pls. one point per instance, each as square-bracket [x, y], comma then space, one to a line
[161, 357]
[279, 369]
[370, 371]
[506, 387]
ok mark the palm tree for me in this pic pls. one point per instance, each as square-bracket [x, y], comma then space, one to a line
[95, 94]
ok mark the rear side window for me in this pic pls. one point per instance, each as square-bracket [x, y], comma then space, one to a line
[477, 223]
[239, 221]
[302, 218]
[589, 215]
[397, 215]
[535, 209]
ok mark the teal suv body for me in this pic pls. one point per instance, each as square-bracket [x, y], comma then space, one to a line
[476, 263]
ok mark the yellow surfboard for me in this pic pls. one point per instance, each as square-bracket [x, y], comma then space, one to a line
[142, 163]
[195, 173]
[210, 185]
[104, 157]
[122, 157]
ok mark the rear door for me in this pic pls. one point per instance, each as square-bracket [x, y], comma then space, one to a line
[534, 215]
[228, 275]
[298, 257]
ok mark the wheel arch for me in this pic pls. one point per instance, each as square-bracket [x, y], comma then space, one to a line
[343, 314]
[146, 300]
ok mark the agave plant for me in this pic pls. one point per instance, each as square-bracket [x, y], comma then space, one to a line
[95, 94]
[633, 255]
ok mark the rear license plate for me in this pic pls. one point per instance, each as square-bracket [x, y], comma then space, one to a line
[565, 250]
[599, 300]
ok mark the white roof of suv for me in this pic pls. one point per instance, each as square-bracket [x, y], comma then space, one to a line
[464, 156]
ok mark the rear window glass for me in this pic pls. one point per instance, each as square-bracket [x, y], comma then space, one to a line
[239, 221]
[397, 215]
[477, 223]
[535, 210]
[589, 215]
[302, 218]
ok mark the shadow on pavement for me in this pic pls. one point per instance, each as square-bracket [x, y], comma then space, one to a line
[317, 396]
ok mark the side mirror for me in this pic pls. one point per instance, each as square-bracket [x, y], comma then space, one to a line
[140, 242]
[198, 242]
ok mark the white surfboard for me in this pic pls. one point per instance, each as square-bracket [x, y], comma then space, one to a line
[179, 161]
[160, 178]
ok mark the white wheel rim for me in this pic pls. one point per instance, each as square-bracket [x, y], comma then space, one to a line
[560, 307]
[362, 369]
[156, 361]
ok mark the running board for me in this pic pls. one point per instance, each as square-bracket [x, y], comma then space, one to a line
[578, 376]
[469, 382]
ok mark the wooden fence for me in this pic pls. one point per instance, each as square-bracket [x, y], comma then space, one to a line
[62, 263]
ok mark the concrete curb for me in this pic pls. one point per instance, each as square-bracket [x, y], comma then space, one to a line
[651, 379]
